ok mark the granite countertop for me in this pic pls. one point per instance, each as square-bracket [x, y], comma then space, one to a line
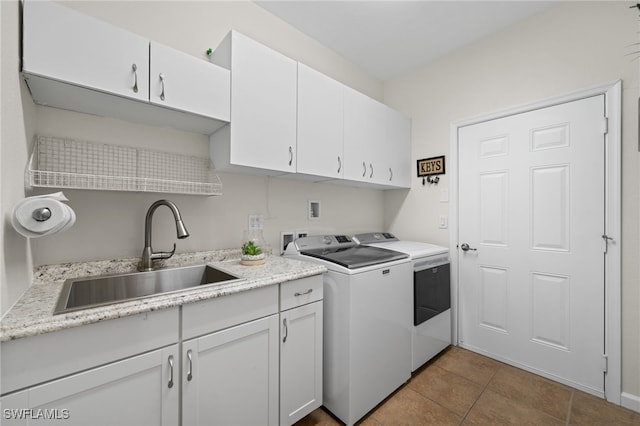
[33, 313]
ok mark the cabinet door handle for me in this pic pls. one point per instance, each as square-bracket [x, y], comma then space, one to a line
[162, 86]
[364, 169]
[286, 330]
[371, 167]
[290, 155]
[190, 369]
[170, 384]
[339, 164]
[390, 174]
[134, 67]
[302, 294]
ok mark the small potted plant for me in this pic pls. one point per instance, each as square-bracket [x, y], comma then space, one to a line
[252, 254]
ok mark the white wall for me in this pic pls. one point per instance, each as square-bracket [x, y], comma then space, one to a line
[572, 46]
[111, 224]
[17, 118]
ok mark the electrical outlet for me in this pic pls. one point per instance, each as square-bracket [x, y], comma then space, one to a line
[256, 221]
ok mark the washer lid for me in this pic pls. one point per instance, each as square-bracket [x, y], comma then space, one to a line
[355, 257]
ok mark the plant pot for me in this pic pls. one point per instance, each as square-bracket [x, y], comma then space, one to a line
[252, 260]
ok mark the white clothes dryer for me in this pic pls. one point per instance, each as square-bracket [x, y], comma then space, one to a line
[431, 293]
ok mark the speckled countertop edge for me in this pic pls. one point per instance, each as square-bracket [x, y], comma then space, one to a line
[33, 313]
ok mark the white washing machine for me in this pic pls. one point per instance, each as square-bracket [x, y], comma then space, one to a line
[367, 321]
[431, 289]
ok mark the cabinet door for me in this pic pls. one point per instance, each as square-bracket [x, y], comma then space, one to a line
[142, 390]
[184, 82]
[359, 136]
[231, 377]
[380, 152]
[320, 124]
[396, 168]
[64, 44]
[300, 362]
[263, 108]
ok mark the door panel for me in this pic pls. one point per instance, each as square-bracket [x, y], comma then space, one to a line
[531, 201]
[493, 208]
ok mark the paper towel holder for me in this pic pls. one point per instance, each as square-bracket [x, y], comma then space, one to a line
[41, 215]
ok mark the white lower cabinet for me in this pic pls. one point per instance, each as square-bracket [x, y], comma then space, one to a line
[300, 362]
[141, 390]
[231, 377]
[300, 348]
[221, 361]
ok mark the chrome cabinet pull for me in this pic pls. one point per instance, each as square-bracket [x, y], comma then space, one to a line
[171, 369]
[134, 67]
[290, 155]
[339, 164]
[302, 294]
[190, 370]
[286, 330]
[364, 167]
[390, 174]
[371, 166]
[162, 84]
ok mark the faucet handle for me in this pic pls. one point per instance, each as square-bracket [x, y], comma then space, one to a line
[163, 254]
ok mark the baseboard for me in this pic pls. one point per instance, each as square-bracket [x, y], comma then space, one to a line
[630, 401]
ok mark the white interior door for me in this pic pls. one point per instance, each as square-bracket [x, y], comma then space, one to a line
[531, 210]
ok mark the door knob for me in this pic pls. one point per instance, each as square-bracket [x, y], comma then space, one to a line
[465, 247]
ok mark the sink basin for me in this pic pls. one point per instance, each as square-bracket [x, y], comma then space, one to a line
[83, 293]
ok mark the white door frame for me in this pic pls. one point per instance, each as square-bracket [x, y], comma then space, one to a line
[613, 307]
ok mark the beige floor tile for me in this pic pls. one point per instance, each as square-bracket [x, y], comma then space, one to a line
[319, 417]
[368, 421]
[438, 393]
[408, 407]
[590, 410]
[475, 367]
[495, 409]
[529, 389]
[446, 388]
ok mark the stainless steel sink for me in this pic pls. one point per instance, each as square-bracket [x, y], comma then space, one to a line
[84, 293]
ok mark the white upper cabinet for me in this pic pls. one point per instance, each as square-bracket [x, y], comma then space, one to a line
[377, 143]
[359, 136]
[187, 83]
[320, 124]
[62, 43]
[79, 63]
[262, 132]
[398, 145]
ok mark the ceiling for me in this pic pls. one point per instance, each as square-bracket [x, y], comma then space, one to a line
[390, 38]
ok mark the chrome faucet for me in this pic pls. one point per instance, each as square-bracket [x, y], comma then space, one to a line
[148, 256]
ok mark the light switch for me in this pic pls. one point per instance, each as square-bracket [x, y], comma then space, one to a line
[444, 222]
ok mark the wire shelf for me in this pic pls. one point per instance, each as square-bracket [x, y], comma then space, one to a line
[67, 163]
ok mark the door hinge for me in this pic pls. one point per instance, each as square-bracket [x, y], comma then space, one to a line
[605, 363]
[605, 125]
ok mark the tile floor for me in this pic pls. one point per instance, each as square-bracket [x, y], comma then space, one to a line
[460, 387]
